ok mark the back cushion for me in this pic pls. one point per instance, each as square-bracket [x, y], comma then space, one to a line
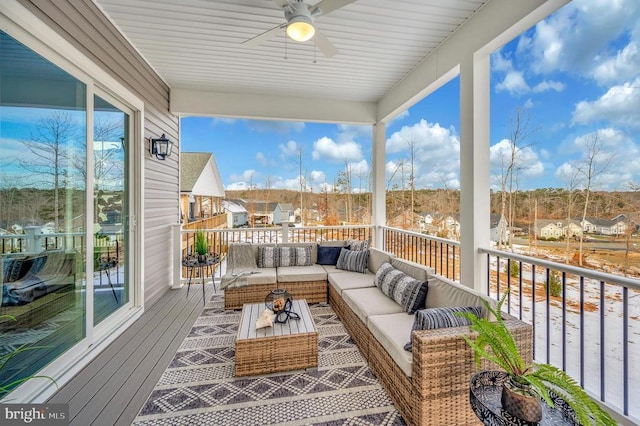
[412, 269]
[312, 246]
[377, 258]
[447, 293]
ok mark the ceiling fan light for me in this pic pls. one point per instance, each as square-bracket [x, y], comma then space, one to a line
[300, 28]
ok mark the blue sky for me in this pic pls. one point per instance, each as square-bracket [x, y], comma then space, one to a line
[576, 75]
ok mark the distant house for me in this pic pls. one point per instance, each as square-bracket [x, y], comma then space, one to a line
[498, 228]
[427, 219]
[236, 214]
[283, 212]
[596, 225]
[201, 190]
[552, 228]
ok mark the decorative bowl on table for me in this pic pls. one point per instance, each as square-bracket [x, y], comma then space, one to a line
[278, 300]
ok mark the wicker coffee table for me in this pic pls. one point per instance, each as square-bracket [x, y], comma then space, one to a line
[283, 347]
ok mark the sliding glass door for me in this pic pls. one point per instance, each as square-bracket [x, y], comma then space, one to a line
[110, 207]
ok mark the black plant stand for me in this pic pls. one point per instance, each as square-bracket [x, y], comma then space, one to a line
[484, 395]
[191, 263]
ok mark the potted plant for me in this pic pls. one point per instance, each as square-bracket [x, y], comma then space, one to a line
[495, 343]
[201, 246]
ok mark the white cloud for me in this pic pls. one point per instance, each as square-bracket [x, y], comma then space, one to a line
[436, 150]
[246, 176]
[290, 149]
[316, 177]
[616, 160]
[223, 120]
[545, 85]
[623, 67]
[500, 63]
[401, 116]
[348, 132]
[262, 159]
[526, 160]
[619, 105]
[575, 39]
[326, 148]
[528, 104]
[237, 186]
[514, 83]
[361, 168]
[279, 127]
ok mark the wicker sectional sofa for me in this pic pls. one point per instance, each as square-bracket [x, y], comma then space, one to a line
[430, 385]
[302, 282]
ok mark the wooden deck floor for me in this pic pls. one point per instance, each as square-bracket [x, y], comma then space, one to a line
[114, 386]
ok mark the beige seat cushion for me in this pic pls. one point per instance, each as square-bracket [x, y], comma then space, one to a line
[289, 274]
[345, 280]
[393, 331]
[331, 269]
[264, 276]
[365, 302]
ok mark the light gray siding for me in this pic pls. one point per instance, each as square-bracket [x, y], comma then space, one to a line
[82, 24]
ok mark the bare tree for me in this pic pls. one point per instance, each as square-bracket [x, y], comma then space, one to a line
[594, 165]
[572, 181]
[345, 184]
[411, 142]
[47, 148]
[511, 164]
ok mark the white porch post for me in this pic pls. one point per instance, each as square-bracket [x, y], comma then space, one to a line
[474, 169]
[379, 205]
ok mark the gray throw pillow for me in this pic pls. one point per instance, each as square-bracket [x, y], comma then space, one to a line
[355, 261]
[405, 290]
[432, 318]
[268, 257]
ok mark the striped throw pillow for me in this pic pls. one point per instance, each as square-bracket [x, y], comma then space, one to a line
[407, 291]
[268, 257]
[432, 318]
[294, 256]
[355, 261]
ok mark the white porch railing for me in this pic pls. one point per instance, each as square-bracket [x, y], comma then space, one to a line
[591, 329]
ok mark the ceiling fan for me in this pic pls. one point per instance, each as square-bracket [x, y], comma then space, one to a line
[299, 24]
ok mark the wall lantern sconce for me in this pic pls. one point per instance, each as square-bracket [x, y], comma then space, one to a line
[161, 147]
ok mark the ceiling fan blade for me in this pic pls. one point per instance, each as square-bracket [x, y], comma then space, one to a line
[328, 6]
[326, 47]
[261, 38]
[281, 3]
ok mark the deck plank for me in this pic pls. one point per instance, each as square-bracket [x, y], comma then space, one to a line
[114, 386]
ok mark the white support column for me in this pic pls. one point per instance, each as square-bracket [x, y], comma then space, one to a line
[379, 190]
[176, 260]
[474, 169]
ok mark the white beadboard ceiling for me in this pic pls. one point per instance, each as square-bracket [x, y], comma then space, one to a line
[197, 44]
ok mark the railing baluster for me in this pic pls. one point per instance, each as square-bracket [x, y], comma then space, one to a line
[548, 319]
[533, 306]
[625, 348]
[602, 341]
[509, 285]
[582, 331]
[564, 321]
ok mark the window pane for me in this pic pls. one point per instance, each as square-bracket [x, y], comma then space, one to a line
[110, 132]
[42, 210]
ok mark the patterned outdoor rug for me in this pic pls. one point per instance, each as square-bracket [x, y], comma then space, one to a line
[198, 387]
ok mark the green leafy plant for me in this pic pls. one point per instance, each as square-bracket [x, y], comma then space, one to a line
[513, 269]
[555, 285]
[201, 243]
[6, 388]
[496, 344]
